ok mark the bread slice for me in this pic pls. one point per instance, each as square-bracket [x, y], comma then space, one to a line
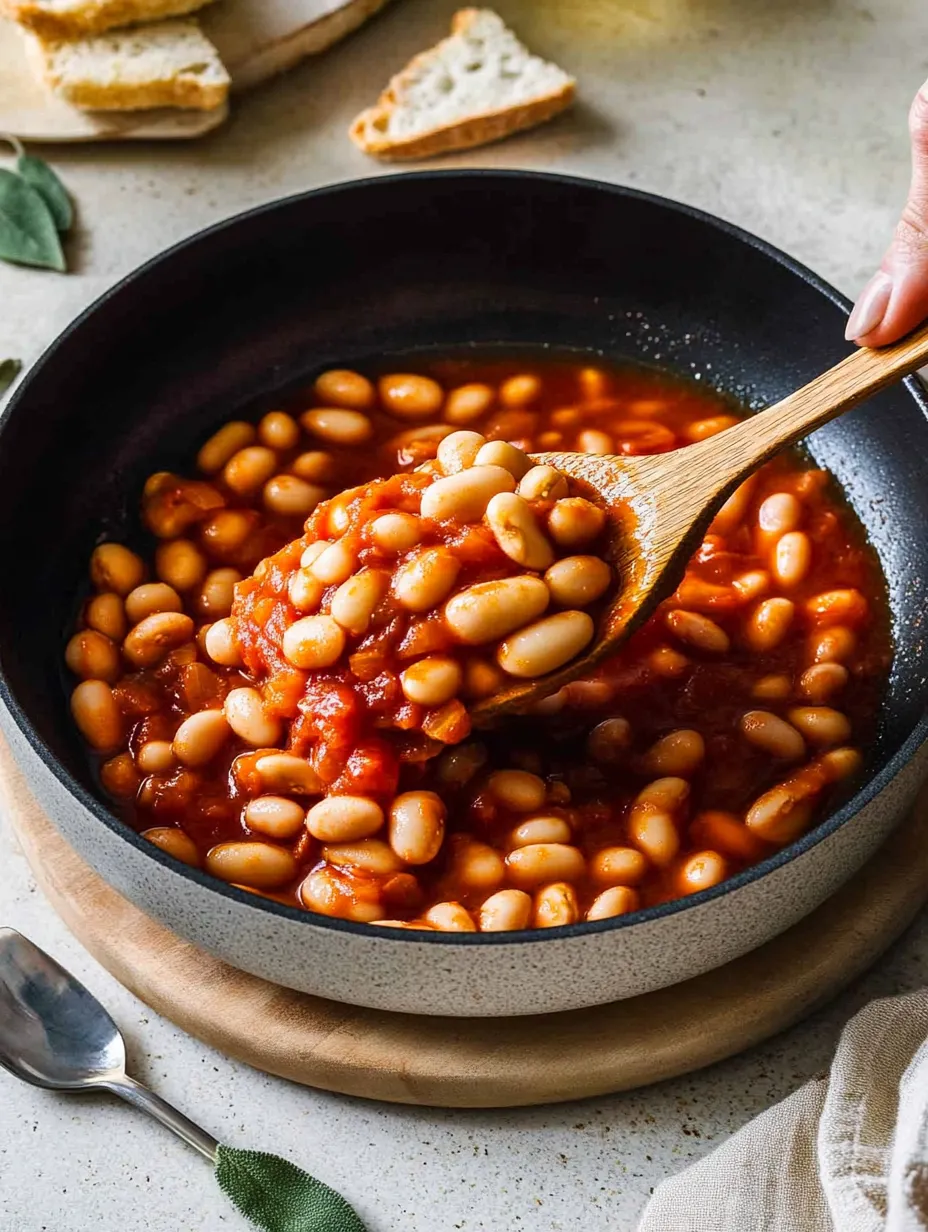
[55, 19]
[478, 85]
[169, 64]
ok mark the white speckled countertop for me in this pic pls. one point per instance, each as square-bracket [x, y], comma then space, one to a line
[786, 116]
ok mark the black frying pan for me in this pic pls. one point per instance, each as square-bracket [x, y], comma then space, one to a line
[387, 265]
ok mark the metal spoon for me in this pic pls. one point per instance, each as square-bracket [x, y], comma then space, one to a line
[659, 507]
[55, 1034]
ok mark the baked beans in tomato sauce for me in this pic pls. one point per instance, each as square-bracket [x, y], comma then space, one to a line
[277, 692]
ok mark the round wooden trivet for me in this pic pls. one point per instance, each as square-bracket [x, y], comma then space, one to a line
[480, 1062]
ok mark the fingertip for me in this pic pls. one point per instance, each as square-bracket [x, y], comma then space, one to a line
[870, 310]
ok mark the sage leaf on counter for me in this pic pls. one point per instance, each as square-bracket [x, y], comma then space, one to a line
[277, 1196]
[28, 235]
[39, 175]
[9, 371]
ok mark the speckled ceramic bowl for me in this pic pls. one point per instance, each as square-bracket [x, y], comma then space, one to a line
[389, 265]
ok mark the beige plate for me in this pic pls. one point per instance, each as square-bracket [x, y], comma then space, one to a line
[480, 1062]
[256, 39]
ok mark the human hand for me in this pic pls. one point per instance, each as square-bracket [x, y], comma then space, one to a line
[895, 300]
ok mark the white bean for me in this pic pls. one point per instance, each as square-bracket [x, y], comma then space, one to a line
[678, 753]
[410, 396]
[252, 863]
[467, 403]
[396, 532]
[155, 757]
[772, 734]
[618, 900]
[341, 819]
[291, 497]
[576, 581]
[149, 598]
[546, 645]
[249, 469]
[155, 636]
[334, 564]
[342, 387]
[97, 716]
[505, 911]
[432, 681]
[821, 725]
[555, 905]
[275, 816]
[517, 790]
[370, 854]
[540, 830]
[313, 642]
[244, 709]
[490, 610]
[417, 826]
[532, 866]
[200, 737]
[93, 656]
[822, 680]
[543, 483]
[519, 390]
[626, 866]
[575, 522]
[769, 624]
[465, 496]
[114, 568]
[459, 450]
[278, 430]
[517, 532]
[779, 513]
[450, 918]
[509, 457]
[354, 603]
[698, 631]
[792, 558]
[305, 591]
[338, 427]
[324, 891]
[221, 446]
[286, 772]
[426, 579]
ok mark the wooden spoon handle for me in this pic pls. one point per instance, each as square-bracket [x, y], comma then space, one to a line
[735, 453]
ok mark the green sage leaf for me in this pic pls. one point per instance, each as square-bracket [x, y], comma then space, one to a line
[37, 173]
[9, 371]
[28, 235]
[277, 1196]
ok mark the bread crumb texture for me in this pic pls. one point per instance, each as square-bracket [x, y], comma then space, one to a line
[478, 85]
[168, 64]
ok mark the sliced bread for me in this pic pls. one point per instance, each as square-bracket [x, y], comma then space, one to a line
[478, 85]
[169, 64]
[54, 19]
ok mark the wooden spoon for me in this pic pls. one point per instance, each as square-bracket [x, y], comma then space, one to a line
[659, 506]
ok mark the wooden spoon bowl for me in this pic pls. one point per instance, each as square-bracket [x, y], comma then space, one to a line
[659, 506]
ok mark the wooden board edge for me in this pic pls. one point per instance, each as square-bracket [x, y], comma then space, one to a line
[480, 1063]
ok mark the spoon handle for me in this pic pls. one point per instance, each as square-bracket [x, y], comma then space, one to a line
[140, 1097]
[733, 454]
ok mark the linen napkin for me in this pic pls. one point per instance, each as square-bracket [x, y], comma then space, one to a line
[845, 1153]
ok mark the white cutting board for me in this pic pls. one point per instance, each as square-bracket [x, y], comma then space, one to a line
[256, 39]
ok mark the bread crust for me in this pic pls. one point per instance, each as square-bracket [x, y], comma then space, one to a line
[194, 96]
[95, 17]
[478, 129]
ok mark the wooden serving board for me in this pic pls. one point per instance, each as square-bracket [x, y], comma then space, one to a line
[479, 1062]
[256, 40]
